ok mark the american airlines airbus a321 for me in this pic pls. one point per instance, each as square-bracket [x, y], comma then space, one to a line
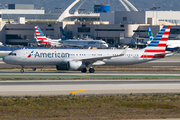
[79, 59]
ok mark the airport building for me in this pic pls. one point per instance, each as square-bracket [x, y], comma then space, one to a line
[116, 28]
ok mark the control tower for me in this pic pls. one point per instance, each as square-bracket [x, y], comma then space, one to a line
[91, 16]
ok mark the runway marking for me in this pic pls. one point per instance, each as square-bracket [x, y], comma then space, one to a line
[76, 91]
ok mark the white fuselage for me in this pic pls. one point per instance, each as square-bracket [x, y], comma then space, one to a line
[170, 43]
[173, 43]
[85, 43]
[42, 57]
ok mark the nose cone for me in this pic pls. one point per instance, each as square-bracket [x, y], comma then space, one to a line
[5, 59]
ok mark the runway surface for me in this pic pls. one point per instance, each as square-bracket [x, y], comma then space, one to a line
[71, 74]
[86, 87]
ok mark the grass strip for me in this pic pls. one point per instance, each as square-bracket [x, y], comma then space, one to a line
[146, 106]
[93, 76]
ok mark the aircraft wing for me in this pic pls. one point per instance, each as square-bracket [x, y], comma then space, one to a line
[95, 59]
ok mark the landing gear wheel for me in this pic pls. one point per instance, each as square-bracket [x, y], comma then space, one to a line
[22, 71]
[34, 69]
[84, 70]
[91, 70]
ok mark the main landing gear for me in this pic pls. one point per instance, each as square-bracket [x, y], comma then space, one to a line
[91, 70]
[22, 69]
[84, 70]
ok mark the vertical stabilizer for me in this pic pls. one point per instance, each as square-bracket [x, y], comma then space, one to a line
[64, 36]
[150, 34]
[40, 37]
[157, 47]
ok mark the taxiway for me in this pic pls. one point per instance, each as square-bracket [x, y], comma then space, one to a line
[82, 87]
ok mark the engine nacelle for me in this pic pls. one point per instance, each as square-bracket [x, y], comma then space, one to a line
[76, 65]
[71, 65]
[63, 66]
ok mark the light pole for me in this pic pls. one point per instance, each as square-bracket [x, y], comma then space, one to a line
[58, 8]
[97, 11]
[81, 12]
[97, 8]
[155, 8]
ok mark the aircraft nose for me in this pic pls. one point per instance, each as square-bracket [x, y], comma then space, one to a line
[5, 59]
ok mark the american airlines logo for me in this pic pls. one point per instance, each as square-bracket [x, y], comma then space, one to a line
[51, 55]
[30, 54]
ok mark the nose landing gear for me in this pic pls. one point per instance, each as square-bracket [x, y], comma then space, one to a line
[22, 69]
[34, 69]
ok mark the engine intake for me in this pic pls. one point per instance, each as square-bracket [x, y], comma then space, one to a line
[71, 65]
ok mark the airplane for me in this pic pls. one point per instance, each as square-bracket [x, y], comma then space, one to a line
[79, 59]
[172, 44]
[81, 43]
[43, 40]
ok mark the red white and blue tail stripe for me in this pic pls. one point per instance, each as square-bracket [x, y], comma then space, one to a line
[41, 38]
[157, 47]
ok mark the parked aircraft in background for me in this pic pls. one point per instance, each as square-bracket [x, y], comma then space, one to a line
[43, 40]
[172, 44]
[81, 43]
[79, 59]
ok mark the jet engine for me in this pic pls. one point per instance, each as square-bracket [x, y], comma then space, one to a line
[62, 66]
[71, 65]
[76, 65]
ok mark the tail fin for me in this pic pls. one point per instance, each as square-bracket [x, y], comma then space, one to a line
[64, 36]
[39, 34]
[156, 49]
[150, 34]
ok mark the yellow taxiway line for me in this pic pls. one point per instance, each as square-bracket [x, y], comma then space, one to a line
[77, 91]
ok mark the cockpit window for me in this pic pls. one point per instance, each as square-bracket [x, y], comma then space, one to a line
[12, 54]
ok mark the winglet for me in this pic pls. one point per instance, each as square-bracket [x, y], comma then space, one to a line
[124, 52]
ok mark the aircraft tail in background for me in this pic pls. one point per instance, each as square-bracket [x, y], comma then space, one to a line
[64, 36]
[150, 34]
[39, 34]
[40, 37]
